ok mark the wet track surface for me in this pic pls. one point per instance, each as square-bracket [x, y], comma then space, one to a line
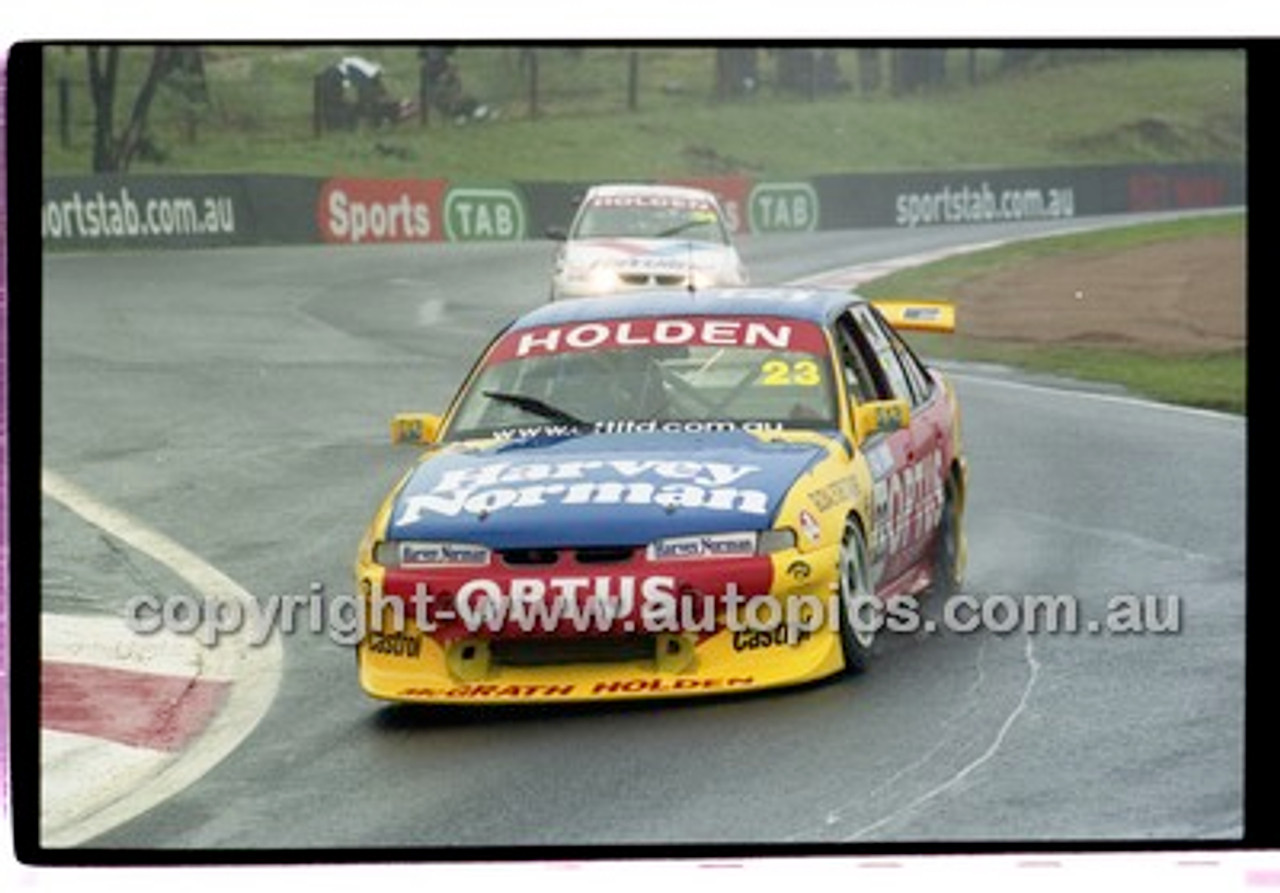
[238, 401]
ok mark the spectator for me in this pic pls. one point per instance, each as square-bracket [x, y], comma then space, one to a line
[371, 101]
[444, 86]
[335, 113]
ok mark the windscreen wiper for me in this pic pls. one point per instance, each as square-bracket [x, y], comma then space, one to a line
[677, 230]
[536, 406]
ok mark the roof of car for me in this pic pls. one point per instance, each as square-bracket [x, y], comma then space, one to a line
[815, 305]
[645, 189]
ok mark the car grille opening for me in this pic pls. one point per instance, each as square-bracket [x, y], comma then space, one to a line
[604, 555]
[664, 279]
[524, 557]
[542, 651]
[589, 555]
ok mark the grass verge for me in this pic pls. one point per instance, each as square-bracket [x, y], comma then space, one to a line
[1153, 105]
[1211, 380]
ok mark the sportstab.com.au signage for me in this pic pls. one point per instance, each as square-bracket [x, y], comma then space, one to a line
[151, 212]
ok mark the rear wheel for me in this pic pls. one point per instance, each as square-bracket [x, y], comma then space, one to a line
[949, 546]
[858, 612]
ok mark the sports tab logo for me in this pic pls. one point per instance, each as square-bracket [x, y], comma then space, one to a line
[359, 211]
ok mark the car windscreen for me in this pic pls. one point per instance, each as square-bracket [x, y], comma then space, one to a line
[686, 373]
[651, 218]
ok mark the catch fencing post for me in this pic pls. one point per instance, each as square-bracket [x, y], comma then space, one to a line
[533, 83]
[317, 107]
[633, 81]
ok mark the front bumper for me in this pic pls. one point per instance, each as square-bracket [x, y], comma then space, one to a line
[633, 659]
[594, 286]
[620, 281]
[719, 667]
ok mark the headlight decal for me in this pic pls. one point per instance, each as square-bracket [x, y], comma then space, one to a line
[418, 554]
[716, 545]
[721, 545]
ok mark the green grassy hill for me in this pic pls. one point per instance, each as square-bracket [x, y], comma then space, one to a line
[1055, 108]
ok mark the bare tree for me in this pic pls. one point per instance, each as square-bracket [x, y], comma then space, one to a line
[104, 63]
[918, 69]
[111, 153]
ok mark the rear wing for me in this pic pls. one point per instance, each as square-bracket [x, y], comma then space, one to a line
[908, 315]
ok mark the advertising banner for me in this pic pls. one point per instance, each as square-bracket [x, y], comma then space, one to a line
[216, 211]
[146, 212]
[851, 201]
[354, 211]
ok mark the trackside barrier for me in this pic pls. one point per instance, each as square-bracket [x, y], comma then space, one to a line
[206, 211]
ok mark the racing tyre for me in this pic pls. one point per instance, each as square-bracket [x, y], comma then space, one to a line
[859, 615]
[948, 550]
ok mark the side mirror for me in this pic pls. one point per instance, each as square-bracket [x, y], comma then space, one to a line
[557, 233]
[415, 427]
[879, 417]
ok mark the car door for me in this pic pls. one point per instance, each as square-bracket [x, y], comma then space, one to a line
[906, 464]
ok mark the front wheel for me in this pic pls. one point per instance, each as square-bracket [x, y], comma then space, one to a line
[859, 615]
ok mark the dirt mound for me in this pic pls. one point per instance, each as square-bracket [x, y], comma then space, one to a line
[1221, 133]
[1185, 296]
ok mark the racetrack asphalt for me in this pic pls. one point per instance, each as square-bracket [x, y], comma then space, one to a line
[238, 401]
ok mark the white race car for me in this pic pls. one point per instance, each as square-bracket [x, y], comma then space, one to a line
[628, 237]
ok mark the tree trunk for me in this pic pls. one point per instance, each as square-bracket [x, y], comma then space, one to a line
[112, 155]
[161, 61]
[102, 90]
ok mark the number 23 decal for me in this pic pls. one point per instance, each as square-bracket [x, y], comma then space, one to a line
[780, 372]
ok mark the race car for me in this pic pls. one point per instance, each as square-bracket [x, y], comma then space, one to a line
[625, 237]
[657, 495]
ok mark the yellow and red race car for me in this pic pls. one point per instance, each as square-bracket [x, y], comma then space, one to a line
[663, 495]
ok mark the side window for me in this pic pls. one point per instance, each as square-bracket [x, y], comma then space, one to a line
[895, 380]
[860, 381]
[920, 381]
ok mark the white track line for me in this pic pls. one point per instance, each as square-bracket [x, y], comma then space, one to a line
[106, 641]
[1033, 673]
[255, 670]
[860, 274]
[1119, 399]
